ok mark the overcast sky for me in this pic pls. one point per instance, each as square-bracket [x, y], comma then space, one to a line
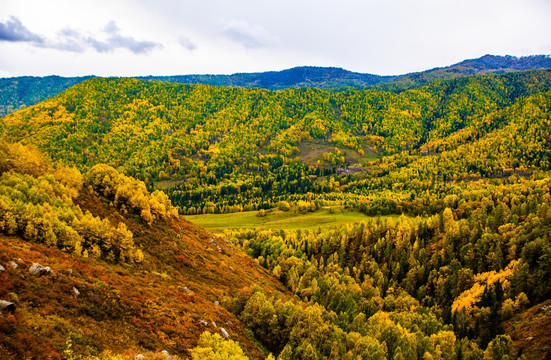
[164, 37]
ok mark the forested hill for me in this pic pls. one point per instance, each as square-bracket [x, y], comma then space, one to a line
[453, 260]
[92, 262]
[305, 76]
[485, 65]
[228, 149]
[19, 92]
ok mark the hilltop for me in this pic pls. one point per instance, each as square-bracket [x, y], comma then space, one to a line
[487, 64]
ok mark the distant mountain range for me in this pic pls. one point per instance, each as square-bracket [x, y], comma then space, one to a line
[18, 92]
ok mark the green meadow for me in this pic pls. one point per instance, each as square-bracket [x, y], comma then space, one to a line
[279, 220]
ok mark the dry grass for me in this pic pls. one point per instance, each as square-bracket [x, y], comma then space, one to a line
[531, 331]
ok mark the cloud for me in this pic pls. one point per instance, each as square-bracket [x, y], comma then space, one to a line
[250, 36]
[68, 40]
[117, 41]
[14, 31]
[72, 40]
[187, 43]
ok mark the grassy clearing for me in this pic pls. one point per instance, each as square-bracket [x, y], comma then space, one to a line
[278, 220]
[168, 184]
[312, 151]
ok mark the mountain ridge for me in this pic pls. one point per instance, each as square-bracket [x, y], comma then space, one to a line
[18, 92]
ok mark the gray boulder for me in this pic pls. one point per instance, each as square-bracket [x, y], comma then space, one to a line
[2, 268]
[167, 355]
[39, 270]
[7, 305]
[14, 265]
[224, 333]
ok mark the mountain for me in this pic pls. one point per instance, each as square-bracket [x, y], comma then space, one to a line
[451, 259]
[19, 92]
[487, 64]
[305, 76]
[199, 141]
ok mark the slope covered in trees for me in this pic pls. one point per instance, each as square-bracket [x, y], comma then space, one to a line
[23, 91]
[487, 64]
[113, 279]
[220, 149]
[464, 162]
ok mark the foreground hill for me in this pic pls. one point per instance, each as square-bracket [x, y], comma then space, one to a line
[19, 92]
[113, 281]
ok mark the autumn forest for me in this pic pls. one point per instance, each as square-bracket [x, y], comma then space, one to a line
[438, 243]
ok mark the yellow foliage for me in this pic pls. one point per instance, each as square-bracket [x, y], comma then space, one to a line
[214, 347]
[468, 298]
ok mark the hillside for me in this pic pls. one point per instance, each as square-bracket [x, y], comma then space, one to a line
[304, 76]
[451, 260]
[19, 92]
[487, 64]
[222, 149]
[95, 299]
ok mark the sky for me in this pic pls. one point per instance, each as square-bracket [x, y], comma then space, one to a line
[174, 37]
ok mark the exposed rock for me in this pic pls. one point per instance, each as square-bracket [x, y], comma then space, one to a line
[203, 322]
[217, 303]
[187, 290]
[2, 268]
[39, 270]
[224, 333]
[529, 338]
[7, 305]
[167, 355]
[139, 357]
[76, 293]
[213, 324]
[350, 170]
[14, 265]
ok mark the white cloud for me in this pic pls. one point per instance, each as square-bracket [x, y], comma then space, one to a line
[109, 40]
[14, 31]
[187, 43]
[250, 36]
